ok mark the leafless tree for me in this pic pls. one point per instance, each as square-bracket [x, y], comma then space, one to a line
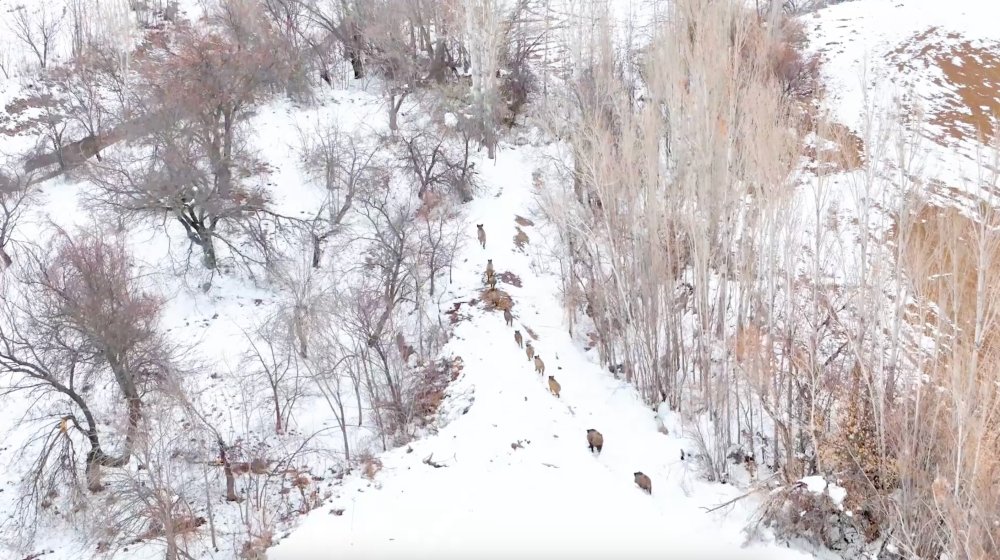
[15, 192]
[523, 40]
[38, 31]
[273, 358]
[438, 167]
[159, 501]
[344, 166]
[75, 316]
[344, 22]
[193, 165]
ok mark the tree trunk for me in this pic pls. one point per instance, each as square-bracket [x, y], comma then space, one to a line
[343, 428]
[357, 65]
[171, 537]
[227, 469]
[317, 252]
[93, 472]
[395, 103]
[208, 251]
[278, 427]
[357, 396]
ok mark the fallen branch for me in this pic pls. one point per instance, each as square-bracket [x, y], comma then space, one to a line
[740, 497]
[429, 460]
[731, 502]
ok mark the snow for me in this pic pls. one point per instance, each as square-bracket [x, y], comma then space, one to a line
[517, 477]
[815, 484]
[550, 496]
[819, 485]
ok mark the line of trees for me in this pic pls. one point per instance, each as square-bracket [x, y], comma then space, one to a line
[134, 436]
[819, 319]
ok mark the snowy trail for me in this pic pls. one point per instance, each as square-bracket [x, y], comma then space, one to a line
[551, 498]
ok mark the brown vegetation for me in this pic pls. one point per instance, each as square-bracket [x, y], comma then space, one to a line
[969, 81]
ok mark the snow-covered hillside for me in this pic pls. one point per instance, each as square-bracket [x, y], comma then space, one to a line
[516, 476]
[926, 63]
[502, 465]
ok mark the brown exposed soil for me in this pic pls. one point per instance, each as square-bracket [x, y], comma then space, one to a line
[838, 149]
[968, 75]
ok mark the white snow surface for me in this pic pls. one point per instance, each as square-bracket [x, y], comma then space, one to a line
[819, 485]
[552, 498]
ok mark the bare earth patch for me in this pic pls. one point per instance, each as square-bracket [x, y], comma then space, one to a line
[968, 75]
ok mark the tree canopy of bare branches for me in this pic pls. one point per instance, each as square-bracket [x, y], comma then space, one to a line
[75, 317]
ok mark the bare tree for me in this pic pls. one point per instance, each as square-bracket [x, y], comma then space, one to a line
[158, 502]
[431, 157]
[343, 165]
[38, 31]
[192, 167]
[344, 22]
[74, 317]
[273, 358]
[15, 191]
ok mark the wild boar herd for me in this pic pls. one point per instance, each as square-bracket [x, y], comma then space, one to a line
[594, 438]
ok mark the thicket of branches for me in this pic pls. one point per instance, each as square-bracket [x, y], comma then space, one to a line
[687, 247]
[155, 113]
[720, 288]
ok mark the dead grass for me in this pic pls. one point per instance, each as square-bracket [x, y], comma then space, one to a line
[969, 80]
[370, 465]
[531, 334]
[944, 258]
[841, 150]
[522, 221]
[435, 379]
[941, 256]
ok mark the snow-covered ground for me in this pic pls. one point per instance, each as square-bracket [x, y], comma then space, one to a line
[518, 477]
[924, 62]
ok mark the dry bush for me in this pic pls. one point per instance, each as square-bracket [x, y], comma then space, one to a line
[795, 512]
[945, 436]
[434, 382]
[521, 239]
[370, 465]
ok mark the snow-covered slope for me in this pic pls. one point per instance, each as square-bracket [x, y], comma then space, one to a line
[926, 62]
[517, 474]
